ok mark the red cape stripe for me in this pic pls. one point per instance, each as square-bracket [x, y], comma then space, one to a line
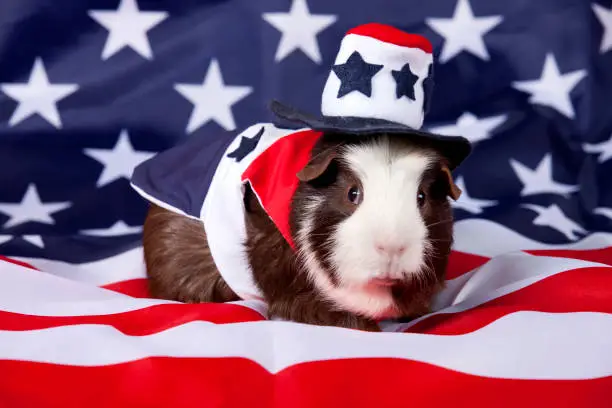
[273, 175]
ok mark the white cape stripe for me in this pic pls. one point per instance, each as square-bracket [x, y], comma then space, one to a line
[525, 345]
[487, 238]
[26, 291]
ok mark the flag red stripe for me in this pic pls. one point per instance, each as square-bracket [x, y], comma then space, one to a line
[139, 322]
[578, 290]
[460, 263]
[601, 255]
[235, 382]
[133, 287]
[16, 262]
[584, 289]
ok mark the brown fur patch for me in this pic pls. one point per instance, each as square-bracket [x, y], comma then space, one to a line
[178, 260]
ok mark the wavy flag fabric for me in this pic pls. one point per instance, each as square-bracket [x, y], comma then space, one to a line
[89, 89]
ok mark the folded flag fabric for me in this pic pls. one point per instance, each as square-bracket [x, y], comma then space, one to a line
[89, 89]
[526, 328]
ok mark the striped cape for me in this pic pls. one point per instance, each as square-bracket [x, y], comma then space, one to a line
[514, 326]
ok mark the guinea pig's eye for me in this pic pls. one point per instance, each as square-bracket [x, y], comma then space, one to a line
[420, 198]
[354, 195]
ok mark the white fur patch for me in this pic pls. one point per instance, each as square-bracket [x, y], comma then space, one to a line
[388, 216]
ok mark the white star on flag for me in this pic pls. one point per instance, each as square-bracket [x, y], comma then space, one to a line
[604, 16]
[212, 100]
[118, 161]
[463, 31]
[35, 240]
[471, 127]
[540, 180]
[552, 89]
[299, 30]
[31, 208]
[606, 212]
[553, 217]
[117, 229]
[604, 149]
[470, 204]
[128, 27]
[37, 96]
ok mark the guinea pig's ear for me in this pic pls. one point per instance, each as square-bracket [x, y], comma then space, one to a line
[317, 165]
[455, 191]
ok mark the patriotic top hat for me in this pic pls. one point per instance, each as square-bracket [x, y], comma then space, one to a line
[381, 81]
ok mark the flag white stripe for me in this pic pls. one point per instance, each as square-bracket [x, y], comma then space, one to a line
[471, 236]
[26, 291]
[527, 345]
[474, 236]
[125, 266]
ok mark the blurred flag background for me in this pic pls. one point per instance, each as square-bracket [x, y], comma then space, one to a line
[88, 89]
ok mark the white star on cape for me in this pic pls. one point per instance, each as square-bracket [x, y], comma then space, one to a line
[553, 217]
[552, 89]
[606, 212]
[212, 100]
[540, 180]
[604, 16]
[604, 149]
[118, 161]
[31, 208]
[299, 30]
[470, 204]
[128, 27]
[471, 127]
[37, 96]
[35, 240]
[118, 228]
[463, 31]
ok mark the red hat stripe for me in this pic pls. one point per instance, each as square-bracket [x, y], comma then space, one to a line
[392, 35]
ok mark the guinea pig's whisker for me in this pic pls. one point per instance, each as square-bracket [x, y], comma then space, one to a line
[438, 253]
[439, 240]
[439, 222]
[423, 276]
[320, 234]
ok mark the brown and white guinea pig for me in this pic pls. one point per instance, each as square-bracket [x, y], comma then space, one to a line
[372, 226]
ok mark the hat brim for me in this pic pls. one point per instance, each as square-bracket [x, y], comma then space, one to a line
[454, 148]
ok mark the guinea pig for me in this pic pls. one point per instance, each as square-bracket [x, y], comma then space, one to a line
[372, 226]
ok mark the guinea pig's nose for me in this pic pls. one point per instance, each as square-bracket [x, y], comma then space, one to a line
[390, 249]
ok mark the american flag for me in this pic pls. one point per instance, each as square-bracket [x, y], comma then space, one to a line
[89, 89]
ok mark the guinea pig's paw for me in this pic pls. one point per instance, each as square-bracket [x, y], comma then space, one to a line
[371, 327]
[363, 324]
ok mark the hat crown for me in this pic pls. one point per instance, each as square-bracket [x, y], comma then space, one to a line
[380, 72]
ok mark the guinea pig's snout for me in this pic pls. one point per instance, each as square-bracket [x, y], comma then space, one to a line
[391, 262]
[389, 249]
